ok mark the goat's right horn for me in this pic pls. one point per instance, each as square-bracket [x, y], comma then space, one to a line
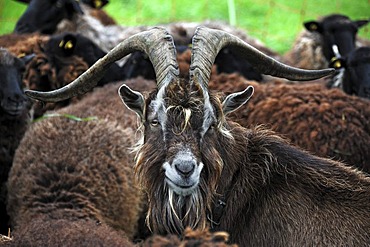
[157, 43]
[207, 43]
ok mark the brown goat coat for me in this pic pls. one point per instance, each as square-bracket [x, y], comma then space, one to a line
[326, 122]
[275, 193]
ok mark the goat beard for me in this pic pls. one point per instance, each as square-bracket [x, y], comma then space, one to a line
[172, 213]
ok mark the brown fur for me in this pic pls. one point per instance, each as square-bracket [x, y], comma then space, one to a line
[72, 170]
[48, 232]
[62, 232]
[275, 193]
[326, 122]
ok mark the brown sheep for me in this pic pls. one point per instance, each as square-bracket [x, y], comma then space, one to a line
[46, 232]
[69, 169]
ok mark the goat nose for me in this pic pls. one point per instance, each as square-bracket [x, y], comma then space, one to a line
[185, 167]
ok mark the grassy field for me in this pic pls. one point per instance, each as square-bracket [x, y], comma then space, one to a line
[276, 23]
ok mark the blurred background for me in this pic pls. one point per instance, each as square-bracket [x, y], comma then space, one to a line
[275, 22]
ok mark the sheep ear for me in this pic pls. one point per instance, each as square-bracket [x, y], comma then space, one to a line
[312, 26]
[337, 63]
[361, 23]
[236, 100]
[26, 58]
[98, 4]
[133, 100]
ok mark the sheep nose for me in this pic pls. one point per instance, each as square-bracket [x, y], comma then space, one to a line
[184, 167]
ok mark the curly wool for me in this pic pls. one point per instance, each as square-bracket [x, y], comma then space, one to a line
[69, 169]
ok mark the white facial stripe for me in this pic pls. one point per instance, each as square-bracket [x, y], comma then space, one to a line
[159, 109]
[208, 113]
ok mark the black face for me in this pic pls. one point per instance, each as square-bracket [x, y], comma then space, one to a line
[44, 15]
[13, 102]
[357, 73]
[336, 30]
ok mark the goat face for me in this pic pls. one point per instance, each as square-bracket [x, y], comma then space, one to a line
[180, 161]
[336, 30]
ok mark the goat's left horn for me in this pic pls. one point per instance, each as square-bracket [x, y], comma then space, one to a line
[207, 43]
[157, 43]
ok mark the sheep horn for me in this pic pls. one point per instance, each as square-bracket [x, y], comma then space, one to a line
[157, 43]
[207, 43]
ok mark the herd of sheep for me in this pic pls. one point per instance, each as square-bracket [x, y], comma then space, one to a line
[213, 139]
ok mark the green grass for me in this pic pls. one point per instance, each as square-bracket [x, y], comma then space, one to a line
[274, 22]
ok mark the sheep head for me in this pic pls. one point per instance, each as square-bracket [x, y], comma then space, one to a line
[336, 30]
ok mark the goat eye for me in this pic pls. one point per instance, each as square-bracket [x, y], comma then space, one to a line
[154, 123]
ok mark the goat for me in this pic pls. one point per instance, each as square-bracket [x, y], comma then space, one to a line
[199, 169]
[355, 78]
[14, 119]
[313, 48]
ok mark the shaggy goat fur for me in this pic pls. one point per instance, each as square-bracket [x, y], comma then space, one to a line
[326, 122]
[274, 193]
[67, 169]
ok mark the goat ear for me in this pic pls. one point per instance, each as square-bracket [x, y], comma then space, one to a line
[337, 63]
[133, 100]
[312, 26]
[361, 23]
[236, 100]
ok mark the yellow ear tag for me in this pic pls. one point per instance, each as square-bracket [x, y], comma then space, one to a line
[68, 45]
[337, 64]
[21, 55]
[98, 4]
[61, 44]
[313, 27]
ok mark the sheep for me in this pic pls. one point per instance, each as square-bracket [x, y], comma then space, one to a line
[354, 79]
[59, 59]
[73, 170]
[200, 169]
[14, 120]
[62, 232]
[313, 48]
[44, 17]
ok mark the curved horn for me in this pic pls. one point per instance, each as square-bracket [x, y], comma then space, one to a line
[207, 43]
[157, 43]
